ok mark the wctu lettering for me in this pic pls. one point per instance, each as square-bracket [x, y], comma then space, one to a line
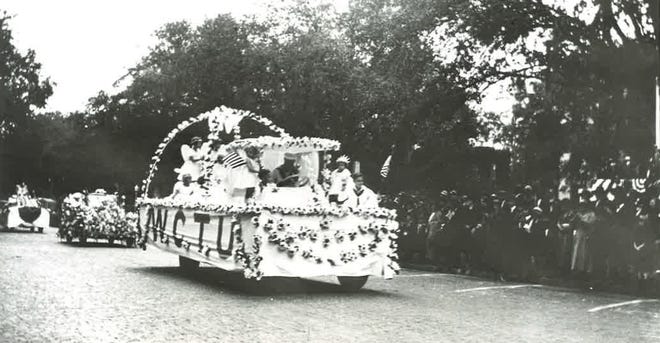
[157, 220]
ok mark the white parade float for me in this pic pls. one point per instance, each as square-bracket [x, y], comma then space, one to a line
[280, 231]
[24, 211]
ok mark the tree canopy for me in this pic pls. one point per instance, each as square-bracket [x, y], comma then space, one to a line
[385, 73]
[22, 89]
[592, 65]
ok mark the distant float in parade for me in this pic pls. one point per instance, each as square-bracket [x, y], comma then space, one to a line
[24, 211]
[94, 216]
[267, 206]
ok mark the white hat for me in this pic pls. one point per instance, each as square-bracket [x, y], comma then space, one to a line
[289, 156]
[343, 159]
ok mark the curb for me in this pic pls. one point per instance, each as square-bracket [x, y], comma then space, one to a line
[550, 281]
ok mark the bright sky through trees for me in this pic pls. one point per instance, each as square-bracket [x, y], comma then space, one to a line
[85, 46]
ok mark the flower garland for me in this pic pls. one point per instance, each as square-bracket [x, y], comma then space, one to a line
[286, 143]
[210, 115]
[311, 210]
[251, 261]
[218, 115]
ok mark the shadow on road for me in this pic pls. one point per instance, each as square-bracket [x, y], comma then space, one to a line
[235, 282]
[94, 244]
[19, 230]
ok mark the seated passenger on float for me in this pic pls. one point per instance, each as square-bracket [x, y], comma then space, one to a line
[185, 189]
[361, 196]
[288, 174]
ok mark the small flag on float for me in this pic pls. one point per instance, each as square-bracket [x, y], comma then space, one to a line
[639, 185]
[385, 170]
[233, 161]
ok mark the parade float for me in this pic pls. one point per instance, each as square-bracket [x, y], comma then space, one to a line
[283, 231]
[96, 215]
[22, 210]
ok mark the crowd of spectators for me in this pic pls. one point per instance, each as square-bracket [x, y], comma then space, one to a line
[609, 233]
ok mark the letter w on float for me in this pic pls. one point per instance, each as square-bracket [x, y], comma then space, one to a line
[159, 223]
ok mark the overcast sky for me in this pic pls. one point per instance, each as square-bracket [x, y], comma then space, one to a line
[85, 46]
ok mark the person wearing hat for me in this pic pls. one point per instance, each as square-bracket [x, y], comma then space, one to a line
[434, 226]
[288, 174]
[192, 156]
[601, 240]
[340, 181]
[361, 196]
[586, 217]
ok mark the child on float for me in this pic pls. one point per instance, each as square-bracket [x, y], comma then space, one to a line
[186, 189]
[243, 168]
[361, 196]
[341, 182]
[253, 166]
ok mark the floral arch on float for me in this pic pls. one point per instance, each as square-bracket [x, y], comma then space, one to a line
[290, 231]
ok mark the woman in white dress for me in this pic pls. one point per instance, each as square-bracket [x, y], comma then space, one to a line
[193, 156]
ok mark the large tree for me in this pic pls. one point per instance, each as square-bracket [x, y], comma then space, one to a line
[418, 103]
[22, 89]
[592, 67]
[298, 73]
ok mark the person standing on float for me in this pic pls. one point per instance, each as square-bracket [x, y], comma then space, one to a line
[340, 181]
[192, 156]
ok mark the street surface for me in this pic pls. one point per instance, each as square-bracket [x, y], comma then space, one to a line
[54, 292]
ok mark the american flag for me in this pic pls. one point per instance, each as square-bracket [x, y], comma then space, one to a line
[385, 170]
[637, 184]
[233, 161]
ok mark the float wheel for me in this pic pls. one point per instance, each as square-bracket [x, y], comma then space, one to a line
[40, 230]
[352, 283]
[130, 242]
[82, 239]
[69, 239]
[111, 241]
[187, 264]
